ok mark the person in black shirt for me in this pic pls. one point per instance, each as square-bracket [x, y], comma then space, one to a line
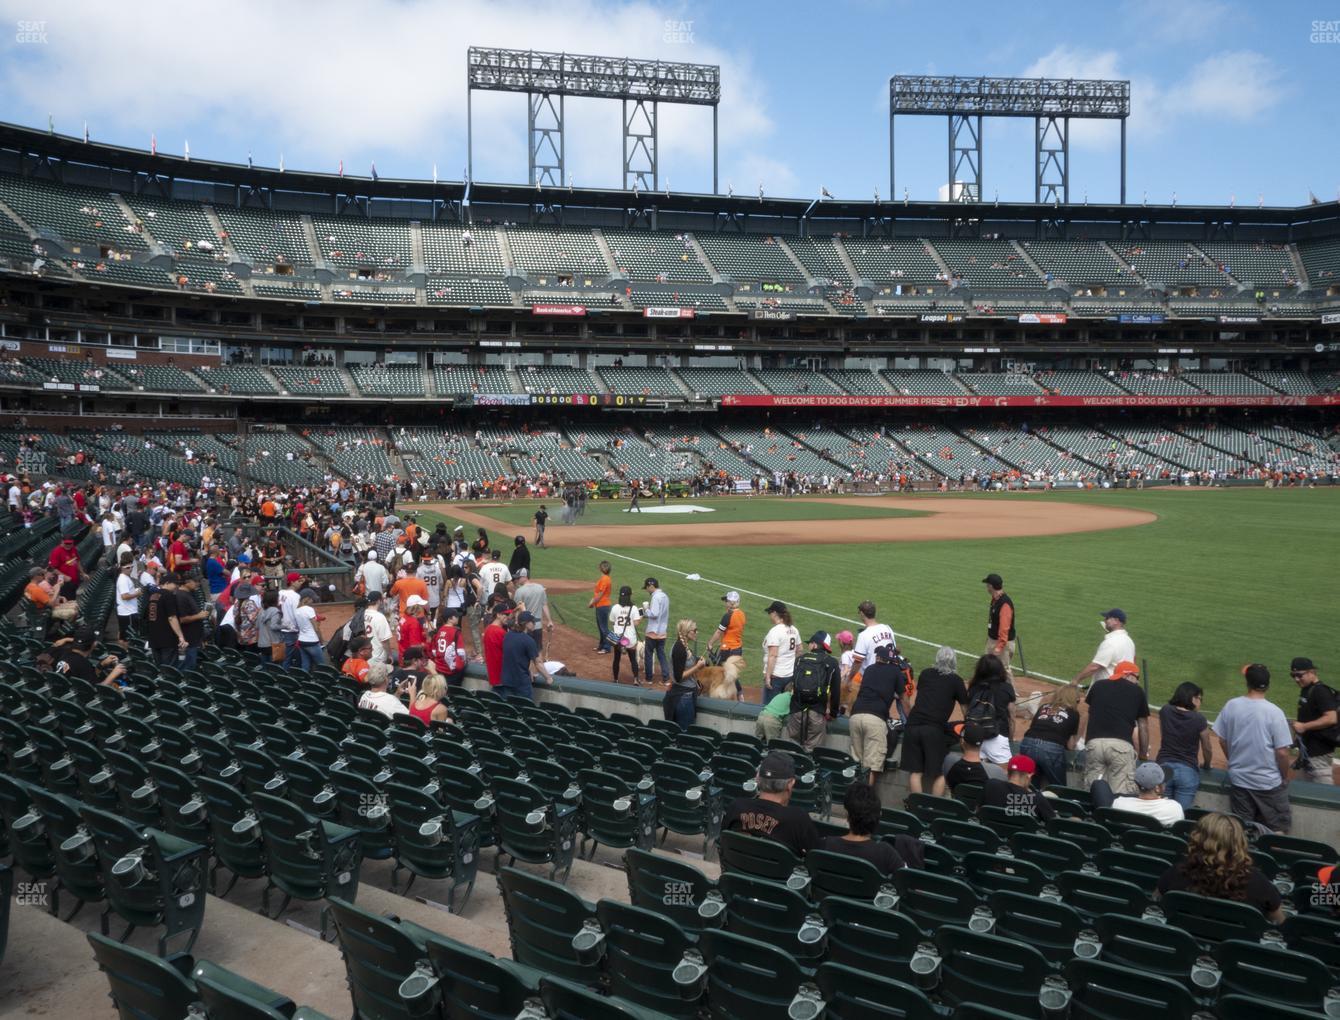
[770, 814]
[1015, 793]
[1316, 725]
[541, 518]
[1054, 729]
[162, 625]
[862, 806]
[1117, 708]
[877, 701]
[1185, 744]
[968, 768]
[810, 711]
[1218, 863]
[192, 619]
[520, 557]
[926, 740]
[73, 660]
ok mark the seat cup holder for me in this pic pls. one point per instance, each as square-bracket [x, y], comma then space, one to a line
[589, 941]
[982, 921]
[421, 992]
[808, 1004]
[130, 870]
[1087, 945]
[431, 831]
[712, 906]
[1205, 974]
[925, 967]
[79, 847]
[690, 975]
[1054, 998]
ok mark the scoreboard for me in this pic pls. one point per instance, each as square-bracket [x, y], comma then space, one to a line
[589, 399]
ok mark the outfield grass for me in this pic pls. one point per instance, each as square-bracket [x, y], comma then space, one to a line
[731, 509]
[1221, 578]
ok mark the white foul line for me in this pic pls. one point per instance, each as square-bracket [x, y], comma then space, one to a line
[797, 605]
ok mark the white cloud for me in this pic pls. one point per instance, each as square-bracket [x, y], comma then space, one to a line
[1184, 21]
[360, 82]
[1239, 84]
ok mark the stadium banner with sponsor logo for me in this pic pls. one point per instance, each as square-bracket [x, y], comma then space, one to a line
[122, 353]
[772, 314]
[1330, 319]
[1041, 400]
[500, 399]
[940, 317]
[69, 387]
[573, 310]
[667, 313]
[1239, 320]
[589, 400]
[1043, 318]
[1141, 318]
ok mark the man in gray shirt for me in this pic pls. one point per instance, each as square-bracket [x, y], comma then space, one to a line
[1256, 739]
[658, 625]
[532, 598]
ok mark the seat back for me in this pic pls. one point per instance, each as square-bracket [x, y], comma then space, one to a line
[229, 996]
[378, 956]
[542, 920]
[1088, 836]
[1146, 946]
[769, 912]
[757, 857]
[976, 967]
[143, 987]
[1093, 895]
[1210, 920]
[964, 837]
[928, 808]
[1268, 972]
[666, 886]
[1317, 936]
[614, 813]
[532, 828]
[564, 1000]
[1046, 925]
[1117, 821]
[306, 858]
[242, 853]
[933, 900]
[449, 849]
[1104, 991]
[475, 985]
[687, 805]
[989, 873]
[1005, 822]
[642, 949]
[839, 874]
[26, 829]
[1049, 854]
[1143, 870]
[866, 937]
[76, 857]
[851, 994]
[747, 979]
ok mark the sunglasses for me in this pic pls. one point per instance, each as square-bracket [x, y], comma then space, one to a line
[1297, 676]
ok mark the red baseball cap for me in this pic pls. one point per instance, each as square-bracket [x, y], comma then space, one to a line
[1023, 763]
[292, 576]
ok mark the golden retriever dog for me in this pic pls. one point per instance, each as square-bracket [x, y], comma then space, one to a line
[720, 681]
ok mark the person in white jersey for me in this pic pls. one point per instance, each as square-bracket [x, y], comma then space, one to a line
[429, 571]
[1115, 647]
[780, 648]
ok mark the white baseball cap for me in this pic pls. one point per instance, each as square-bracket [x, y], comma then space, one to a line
[415, 600]
[731, 596]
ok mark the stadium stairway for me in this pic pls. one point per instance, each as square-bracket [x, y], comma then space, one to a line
[846, 261]
[605, 251]
[810, 281]
[425, 371]
[313, 245]
[417, 265]
[245, 283]
[1204, 254]
[1135, 274]
[505, 250]
[155, 246]
[935, 257]
[1299, 270]
[1028, 261]
[1042, 434]
[707, 263]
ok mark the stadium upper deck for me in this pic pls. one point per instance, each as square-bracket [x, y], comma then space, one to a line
[101, 215]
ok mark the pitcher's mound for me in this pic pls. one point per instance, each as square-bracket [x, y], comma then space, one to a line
[673, 508]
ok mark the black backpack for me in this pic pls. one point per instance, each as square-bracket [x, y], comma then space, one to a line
[982, 710]
[808, 681]
[336, 646]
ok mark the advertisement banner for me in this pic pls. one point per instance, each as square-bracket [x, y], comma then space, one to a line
[821, 400]
[1330, 319]
[589, 400]
[501, 399]
[122, 353]
[940, 317]
[772, 314]
[1240, 320]
[667, 313]
[1142, 318]
[1043, 318]
[575, 310]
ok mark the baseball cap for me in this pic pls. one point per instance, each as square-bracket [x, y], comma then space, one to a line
[731, 596]
[776, 607]
[1258, 676]
[650, 583]
[1124, 669]
[845, 637]
[292, 576]
[1023, 763]
[525, 618]
[1118, 613]
[993, 580]
[450, 612]
[1148, 775]
[884, 651]
[972, 734]
[372, 554]
[523, 572]
[1302, 664]
[415, 600]
[822, 639]
[776, 765]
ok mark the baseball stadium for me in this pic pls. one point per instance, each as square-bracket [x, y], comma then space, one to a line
[454, 598]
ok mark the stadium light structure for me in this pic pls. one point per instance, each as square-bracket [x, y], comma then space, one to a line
[1052, 103]
[548, 78]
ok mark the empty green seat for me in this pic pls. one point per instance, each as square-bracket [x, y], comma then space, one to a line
[1273, 973]
[989, 873]
[306, 858]
[1317, 936]
[642, 949]
[928, 808]
[1244, 1007]
[773, 913]
[1209, 920]
[933, 900]
[1143, 870]
[976, 967]
[747, 979]
[1093, 895]
[851, 994]
[143, 987]
[1048, 853]
[866, 937]
[839, 874]
[434, 842]
[543, 919]
[1146, 946]
[1005, 822]
[229, 996]
[687, 805]
[76, 854]
[1042, 923]
[964, 837]
[379, 957]
[564, 1000]
[1104, 991]
[670, 887]
[151, 878]
[1088, 836]
[235, 834]
[27, 833]
[532, 828]
[615, 813]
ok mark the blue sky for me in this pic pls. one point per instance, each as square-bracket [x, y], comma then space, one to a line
[1229, 98]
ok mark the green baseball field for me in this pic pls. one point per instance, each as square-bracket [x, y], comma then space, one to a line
[1211, 579]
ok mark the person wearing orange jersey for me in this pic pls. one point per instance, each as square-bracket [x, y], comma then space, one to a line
[600, 602]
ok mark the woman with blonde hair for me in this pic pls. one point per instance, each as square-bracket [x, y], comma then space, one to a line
[427, 705]
[1219, 864]
[1054, 729]
[681, 695]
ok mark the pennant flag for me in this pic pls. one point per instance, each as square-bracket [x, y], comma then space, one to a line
[374, 169]
[188, 150]
[51, 124]
[85, 132]
[153, 145]
[341, 168]
[434, 173]
[1312, 198]
[824, 192]
[281, 162]
[249, 166]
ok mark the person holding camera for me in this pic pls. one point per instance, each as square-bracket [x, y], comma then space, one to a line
[1316, 726]
[75, 660]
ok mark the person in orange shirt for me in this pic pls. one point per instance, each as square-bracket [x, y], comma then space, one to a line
[360, 654]
[730, 631]
[600, 602]
[37, 592]
[407, 585]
